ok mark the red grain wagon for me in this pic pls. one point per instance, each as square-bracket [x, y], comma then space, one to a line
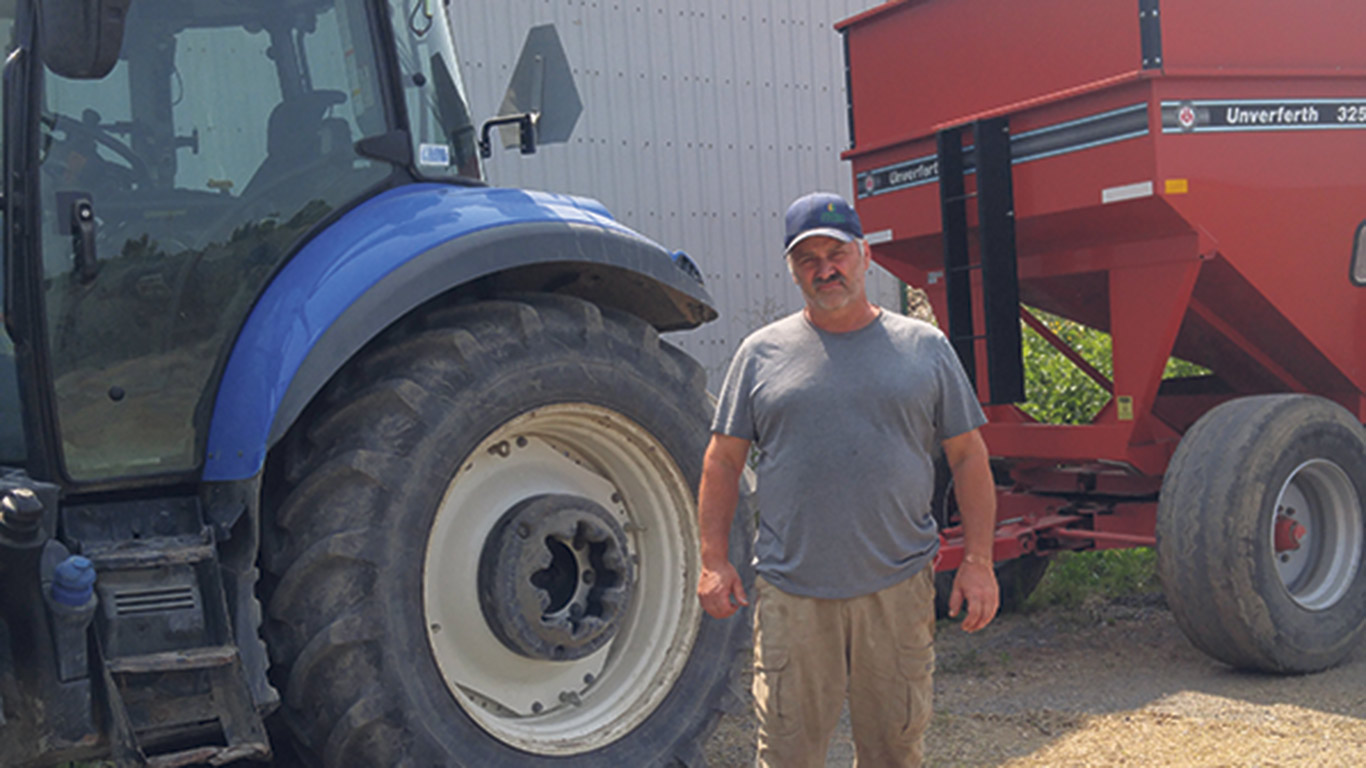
[1189, 176]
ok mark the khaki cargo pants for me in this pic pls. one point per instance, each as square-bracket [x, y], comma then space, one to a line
[808, 652]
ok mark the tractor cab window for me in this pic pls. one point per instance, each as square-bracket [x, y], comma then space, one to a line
[221, 138]
[438, 114]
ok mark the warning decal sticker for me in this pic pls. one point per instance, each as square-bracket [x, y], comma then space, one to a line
[1204, 116]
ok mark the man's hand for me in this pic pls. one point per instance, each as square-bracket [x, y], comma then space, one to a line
[975, 583]
[720, 590]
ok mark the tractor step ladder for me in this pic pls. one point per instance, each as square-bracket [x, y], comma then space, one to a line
[996, 235]
[165, 645]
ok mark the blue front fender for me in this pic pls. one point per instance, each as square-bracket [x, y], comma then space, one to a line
[392, 253]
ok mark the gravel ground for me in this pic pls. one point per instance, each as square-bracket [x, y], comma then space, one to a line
[1112, 685]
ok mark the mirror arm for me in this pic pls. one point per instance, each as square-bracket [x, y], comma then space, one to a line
[526, 125]
[537, 84]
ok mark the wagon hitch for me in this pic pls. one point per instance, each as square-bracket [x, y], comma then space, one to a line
[1041, 524]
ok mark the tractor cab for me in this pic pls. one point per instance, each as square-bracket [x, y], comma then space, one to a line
[247, 242]
[162, 195]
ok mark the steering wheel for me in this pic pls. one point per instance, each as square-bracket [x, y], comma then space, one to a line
[82, 137]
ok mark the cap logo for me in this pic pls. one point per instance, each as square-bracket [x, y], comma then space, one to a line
[831, 216]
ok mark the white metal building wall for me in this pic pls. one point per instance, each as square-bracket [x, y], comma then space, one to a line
[702, 120]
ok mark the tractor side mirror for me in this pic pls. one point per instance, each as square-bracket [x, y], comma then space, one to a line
[81, 39]
[542, 100]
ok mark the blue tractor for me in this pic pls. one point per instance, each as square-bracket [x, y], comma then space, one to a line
[312, 442]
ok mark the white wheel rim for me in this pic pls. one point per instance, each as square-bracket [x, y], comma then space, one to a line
[1319, 496]
[565, 707]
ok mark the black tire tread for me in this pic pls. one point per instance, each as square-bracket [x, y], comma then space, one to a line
[348, 449]
[1207, 549]
[348, 631]
[358, 724]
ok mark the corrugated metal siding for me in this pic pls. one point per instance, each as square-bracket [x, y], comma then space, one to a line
[702, 120]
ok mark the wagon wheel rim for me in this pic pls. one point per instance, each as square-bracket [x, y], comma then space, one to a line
[552, 706]
[1316, 534]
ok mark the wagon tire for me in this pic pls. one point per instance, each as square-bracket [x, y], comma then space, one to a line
[395, 558]
[1260, 533]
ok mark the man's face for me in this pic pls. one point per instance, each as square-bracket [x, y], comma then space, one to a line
[829, 272]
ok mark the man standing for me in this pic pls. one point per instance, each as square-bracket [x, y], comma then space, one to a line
[846, 405]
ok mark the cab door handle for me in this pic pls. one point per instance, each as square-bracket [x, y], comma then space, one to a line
[83, 239]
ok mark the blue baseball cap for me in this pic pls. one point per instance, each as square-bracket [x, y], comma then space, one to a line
[823, 214]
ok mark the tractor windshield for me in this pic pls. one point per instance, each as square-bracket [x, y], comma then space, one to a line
[438, 114]
[222, 137]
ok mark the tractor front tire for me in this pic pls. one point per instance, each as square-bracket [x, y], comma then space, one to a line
[484, 549]
[1260, 533]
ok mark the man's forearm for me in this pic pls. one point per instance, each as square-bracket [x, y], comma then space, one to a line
[975, 490]
[717, 497]
[975, 585]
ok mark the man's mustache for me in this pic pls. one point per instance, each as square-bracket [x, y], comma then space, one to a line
[824, 281]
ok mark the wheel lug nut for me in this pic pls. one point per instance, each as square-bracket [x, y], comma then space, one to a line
[536, 707]
[588, 577]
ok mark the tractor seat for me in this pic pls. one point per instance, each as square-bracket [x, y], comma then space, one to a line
[298, 136]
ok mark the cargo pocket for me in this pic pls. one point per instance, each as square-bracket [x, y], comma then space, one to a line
[915, 654]
[779, 712]
[916, 666]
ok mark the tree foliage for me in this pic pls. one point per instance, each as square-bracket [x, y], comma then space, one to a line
[1056, 390]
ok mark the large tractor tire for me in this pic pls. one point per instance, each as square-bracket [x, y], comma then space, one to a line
[485, 551]
[1016, 578]
[1260, 533]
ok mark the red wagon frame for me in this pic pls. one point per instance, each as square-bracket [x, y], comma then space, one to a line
[1175, 177]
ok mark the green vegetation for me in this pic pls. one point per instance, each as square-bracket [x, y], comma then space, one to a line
[1056, 390]
[1072, 577]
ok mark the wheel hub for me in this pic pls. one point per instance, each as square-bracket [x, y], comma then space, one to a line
[1316, 533]
[569, 706]
[1288, 534]
[555, 577]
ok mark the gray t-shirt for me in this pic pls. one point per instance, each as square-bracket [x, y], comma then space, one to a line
[846, 426]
